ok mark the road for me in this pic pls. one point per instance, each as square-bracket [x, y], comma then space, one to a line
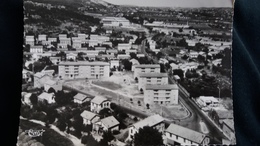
[192, 122]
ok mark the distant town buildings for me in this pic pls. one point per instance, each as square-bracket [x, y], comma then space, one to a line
[115, 21]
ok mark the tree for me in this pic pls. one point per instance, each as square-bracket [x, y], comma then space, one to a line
[104, 112]
[141, 90]
[136, 79]
[162, 68]
[178, 72]
[147, 106]
[91, 141]
[159, 55]
[61, 124]
[148, 136]
[133, 55]
[84, 139]
[139, 103]
[34, 99]
[51, 90]
[127, 64]
[108, 136]
[113, 106]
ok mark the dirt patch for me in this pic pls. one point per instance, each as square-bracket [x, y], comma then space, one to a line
[108, 84]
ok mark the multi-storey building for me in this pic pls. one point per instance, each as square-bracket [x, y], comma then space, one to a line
[124, 46]
[72, 70]
[146, 68]
[29, 40]
[161, 94]
[36, 49]
[42, 37]
[152, 79]
[154, 121]
[76, 44]
[178, 135]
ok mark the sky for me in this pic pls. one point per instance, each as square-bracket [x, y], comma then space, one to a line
[174, 3]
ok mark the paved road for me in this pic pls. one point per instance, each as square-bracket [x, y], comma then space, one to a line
[193, 122]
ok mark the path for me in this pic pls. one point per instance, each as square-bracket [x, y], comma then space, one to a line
[75, 140]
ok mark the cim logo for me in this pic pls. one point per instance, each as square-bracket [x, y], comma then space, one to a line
[34, 133]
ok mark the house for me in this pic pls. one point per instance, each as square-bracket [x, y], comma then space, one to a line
[229, 131]
[92, 43]
[72, 56]
[36, 49]
[111, 52]
[152, 79]
[161, 94]
[49, 97]
[107, 124]
[39, 79]
[103, 49]
[42, 37]
[114, 63]
[124, 46]
[76, 44]
[52, 84]
[107, 44]
[80, 98]
[134, 63]
[29, 40]
[178, 135]
[205, 101]
[193, 55]
[89, 117]
[130, 51]
[98, 103]
[123, 56]
[83, 69]
[218, 115]
[154, 121]
[140, 55]
[146, 68]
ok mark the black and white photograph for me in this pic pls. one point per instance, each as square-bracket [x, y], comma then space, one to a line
[127, 73]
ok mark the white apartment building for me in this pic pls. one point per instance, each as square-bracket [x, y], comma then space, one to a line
[111, 52]
[103, 49]
[161, 94]
[62, 36]
[91, 52]
[152, 45]
[76, 44]
[36, 49]
[130, 51]
[92, 43]
[114, 63]
[72, 70]
[124, 46]
[52, 39]
[29, 40]
[146, 68]
[154, 121]
[82, 37]
[152, 79]
[65, 41]
[42, 37]
[178, 135]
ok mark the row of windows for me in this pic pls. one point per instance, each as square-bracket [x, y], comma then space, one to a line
[162, 102]
[158, 93]
[184, 140]
[150, 77]
[156, 98]
[161, 90]
[150, 80]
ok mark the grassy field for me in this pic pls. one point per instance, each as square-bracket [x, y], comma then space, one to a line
[107, 84]
[49, 137]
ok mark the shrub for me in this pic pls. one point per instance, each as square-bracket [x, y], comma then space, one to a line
[115, 132]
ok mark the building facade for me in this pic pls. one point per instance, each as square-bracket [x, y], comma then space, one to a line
[98, 103]
[36, 49]
[146, 68]
[73, 70]
[161, 94]
[152, 79]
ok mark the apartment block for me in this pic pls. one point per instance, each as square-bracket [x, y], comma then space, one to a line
[146, 68]
[161, 94]
[152, 79]
[73, 70]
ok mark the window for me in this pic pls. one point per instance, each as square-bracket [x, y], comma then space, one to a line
[149, 81]
[92, 66]
[167, 93]
[168, 90]
[159, 77]
[92, 72]
[156, 94]
[101, 71]
[158, 80]
[148, 78]
[155, 98]
[155, 90]
[66, 72]
[66, 66]
[167, 97]
[101, 68]
[176, 136]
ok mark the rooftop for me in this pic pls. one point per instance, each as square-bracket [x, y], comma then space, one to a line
[50, 82]
[45, 95]
[208, 99]
[80, 97]
[110, 121]
[153, 75]
[186, 133]
[88, 115]
[148, 66]
[149, 121]
[224, 114]
[83, 63]
[162, 87]
[99, 99]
